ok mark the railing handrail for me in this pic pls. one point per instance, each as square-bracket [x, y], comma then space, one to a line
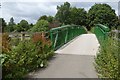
[103, 27]
[102, 32]
[63, 34]
[65, 26]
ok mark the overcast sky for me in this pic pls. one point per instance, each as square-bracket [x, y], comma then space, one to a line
[31, 11]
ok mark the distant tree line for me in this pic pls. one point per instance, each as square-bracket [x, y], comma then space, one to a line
[66, 14]
[23, 25]
[98, 13]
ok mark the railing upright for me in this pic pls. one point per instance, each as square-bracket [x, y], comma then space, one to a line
[61, 35]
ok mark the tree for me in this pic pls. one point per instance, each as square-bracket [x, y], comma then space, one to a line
[18, 28]
[63, 13]
[11, 21]
[101, 13]
[48, 18]
[11, 25]
[44, 17]
[24, 25]
[117, 22]
[3, 25]
[31, 25]
[78, 16]
[41, 25]
[54, 24]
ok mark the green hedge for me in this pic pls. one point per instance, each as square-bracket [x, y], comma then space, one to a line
[107, 60]
[25, 57]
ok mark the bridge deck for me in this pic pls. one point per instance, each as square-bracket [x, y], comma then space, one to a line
[77, 65]
[86, 44]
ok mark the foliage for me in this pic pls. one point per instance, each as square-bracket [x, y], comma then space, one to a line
[2, 58]
[5, 43]
[103, 14]
[11, 25]
[0, 42]
[117, 24]
[107, 60]
[44, 17]
[66, 14]
[71, 15]
[32, 55]
[31, 25]
[92, 30]
[14, 66]
[18, 28]
[63, 13]
[40, 37]
[41, 25]
[54, 24]
[78, 16]
[3, 25]
[48, 18]
[14, 41]
[24, 26]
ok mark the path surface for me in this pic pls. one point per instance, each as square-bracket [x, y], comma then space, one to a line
[74, 60]
[86, 44]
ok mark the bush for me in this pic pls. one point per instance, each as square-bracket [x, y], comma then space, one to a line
[14, 41]
[25, 57]
[41, 25]
[107, 60]
[2, 58]
[5, 43]
[92, 30]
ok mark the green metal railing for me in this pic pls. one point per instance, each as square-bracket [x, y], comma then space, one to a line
[102, 32]
[61, 35]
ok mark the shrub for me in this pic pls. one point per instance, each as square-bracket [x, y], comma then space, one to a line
[2, 58]
[41, 25]
[107, 60]
[46, 45]
[38, 37]
[25, 57]
[14, 41]
[92, 30]
[5, 42]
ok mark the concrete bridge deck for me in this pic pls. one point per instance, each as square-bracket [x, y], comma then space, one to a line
[73, 60]
[86, 44]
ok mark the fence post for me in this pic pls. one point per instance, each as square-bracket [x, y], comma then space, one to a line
[22, 36]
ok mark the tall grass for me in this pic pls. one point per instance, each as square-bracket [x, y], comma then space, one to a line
[107, 59]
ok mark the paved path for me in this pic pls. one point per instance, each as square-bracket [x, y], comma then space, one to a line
[86, 44]
[74, 60]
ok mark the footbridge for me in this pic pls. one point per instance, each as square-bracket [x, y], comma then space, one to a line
[75, 50]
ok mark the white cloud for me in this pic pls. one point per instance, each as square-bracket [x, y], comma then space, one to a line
[31, 11]
[26, 10]
[0, 13]
[60, 0]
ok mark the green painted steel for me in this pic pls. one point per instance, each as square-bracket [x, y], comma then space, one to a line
[101, 32]
[61, 35]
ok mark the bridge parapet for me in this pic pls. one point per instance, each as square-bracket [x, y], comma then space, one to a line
[101, 31]
[61, 35]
